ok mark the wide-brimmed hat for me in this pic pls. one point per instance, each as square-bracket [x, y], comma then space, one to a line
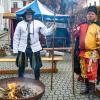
[29, 11]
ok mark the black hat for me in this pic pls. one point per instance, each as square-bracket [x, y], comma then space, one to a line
[92, 9]
[29, 11]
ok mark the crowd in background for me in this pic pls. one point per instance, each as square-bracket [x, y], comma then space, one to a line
[54, 5]
[63, 7]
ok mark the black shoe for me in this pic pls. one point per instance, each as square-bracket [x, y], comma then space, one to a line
[91, 97]
[36, 78]
[80, 79]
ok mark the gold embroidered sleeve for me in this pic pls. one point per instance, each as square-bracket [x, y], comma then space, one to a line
[98, 37]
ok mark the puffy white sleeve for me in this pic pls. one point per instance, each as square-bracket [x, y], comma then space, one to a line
[16, 38]
[46, 31]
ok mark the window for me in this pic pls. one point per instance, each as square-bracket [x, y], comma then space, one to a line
[95, 3]
[0, 1]
[90, 4]
[15, 5]
[24, 3]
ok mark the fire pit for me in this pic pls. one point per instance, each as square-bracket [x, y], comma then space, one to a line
[97, 92]
[21, 89]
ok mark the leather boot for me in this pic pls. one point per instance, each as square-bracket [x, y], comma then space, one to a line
[86, 91]
[91, 90]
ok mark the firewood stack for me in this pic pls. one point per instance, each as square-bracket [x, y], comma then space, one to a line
[2, 51]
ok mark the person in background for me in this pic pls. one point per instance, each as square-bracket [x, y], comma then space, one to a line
[26, 43]
[77, 69]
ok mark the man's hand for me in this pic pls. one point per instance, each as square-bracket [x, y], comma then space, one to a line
[54, 26]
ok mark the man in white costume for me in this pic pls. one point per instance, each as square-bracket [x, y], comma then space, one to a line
[26, 43]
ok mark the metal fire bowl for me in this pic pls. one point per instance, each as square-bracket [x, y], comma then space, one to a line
[31, 83]
[97, 92]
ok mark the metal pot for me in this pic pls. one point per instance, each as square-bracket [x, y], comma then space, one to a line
[97, 92]
[31, 83]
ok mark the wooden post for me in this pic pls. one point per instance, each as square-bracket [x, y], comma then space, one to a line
[9, 33]
[52, 59]
[73, 63]
[72, 51]
[53, 52]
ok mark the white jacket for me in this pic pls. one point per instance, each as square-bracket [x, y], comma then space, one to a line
[21, 33]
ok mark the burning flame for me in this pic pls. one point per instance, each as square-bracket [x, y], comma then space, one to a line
[12, 88]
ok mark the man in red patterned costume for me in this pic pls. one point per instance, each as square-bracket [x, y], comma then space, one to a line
[89, 43]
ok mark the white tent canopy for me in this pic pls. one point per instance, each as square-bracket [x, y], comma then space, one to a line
[42, 12]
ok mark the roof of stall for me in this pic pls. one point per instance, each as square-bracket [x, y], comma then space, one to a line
[43, 12]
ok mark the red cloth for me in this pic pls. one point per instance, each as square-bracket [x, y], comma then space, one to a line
[83, 32]
[82, 53]
[92, 75]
